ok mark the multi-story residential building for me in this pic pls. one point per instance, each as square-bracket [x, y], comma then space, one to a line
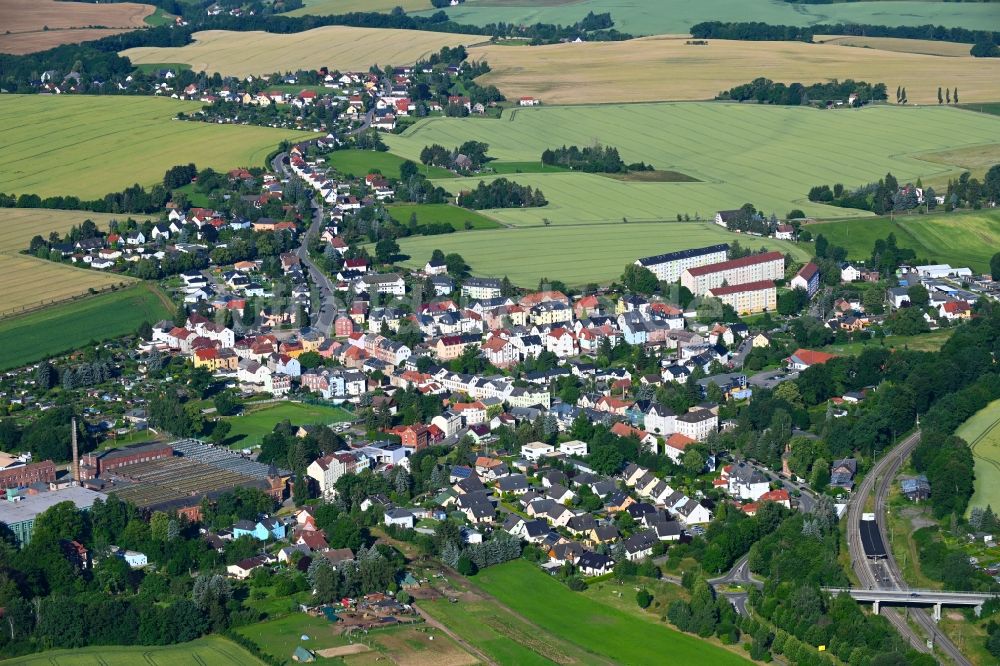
[697, 424]
[807, 278]
[668, 267]
[328, 469]
[481, 288]
[755, 268]
[748, 298]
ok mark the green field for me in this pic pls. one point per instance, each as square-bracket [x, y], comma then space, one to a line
[960, 239]
[598, 628]
[359, 163]
[578, 254]
[766, 155]
[652, 17]
[208, 651]
[249, 428]
[88, 145]
[63, 328]
[991, 108]
[430, 213]
[982, 432]
[280, 637]
[929, 342]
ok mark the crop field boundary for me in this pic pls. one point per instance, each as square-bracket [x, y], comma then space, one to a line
[41, 305]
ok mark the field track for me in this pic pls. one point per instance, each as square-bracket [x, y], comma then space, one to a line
[35, 25]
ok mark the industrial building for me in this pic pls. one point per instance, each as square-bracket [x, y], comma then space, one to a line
[19, 510]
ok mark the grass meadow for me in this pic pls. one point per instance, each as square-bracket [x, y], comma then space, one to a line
[982, 432]
[453, 215]
[252, 53]
[26, 281]
[250, 427]
[207, 651]
[666, 68]
[960, 239]
[360, 163]
[88, 146]
[576, 254]
[654, 17]
[596, 627]
[769, 156]
[67, 326]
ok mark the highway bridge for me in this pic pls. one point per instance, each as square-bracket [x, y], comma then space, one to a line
[912, 597]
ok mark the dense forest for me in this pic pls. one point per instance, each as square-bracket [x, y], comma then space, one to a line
[766, 91]
[501, 193]
[591, 159]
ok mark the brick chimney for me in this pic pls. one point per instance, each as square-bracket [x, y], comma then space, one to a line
[76, 453]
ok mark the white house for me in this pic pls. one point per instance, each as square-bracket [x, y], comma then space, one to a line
[573, 448]
[135, 559]
[537, 450]
[746, 482]
[399, 517]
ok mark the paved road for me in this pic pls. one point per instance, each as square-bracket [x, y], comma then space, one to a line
[740, 355]
[739, 575]
[771, 378]
[879, 480]
[323, 316]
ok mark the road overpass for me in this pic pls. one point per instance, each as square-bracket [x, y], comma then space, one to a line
[911, 597]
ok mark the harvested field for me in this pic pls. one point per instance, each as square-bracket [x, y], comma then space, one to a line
[88, 146]
[31, 25]
[657, 17]
[420, 646]
[662, 68]
[925, 46]
[251, 53]
[330, 7]
[28, 281]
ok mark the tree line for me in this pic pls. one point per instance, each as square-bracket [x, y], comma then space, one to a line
[502, 193]
[591, 159]
[766, 91]
[758, 31]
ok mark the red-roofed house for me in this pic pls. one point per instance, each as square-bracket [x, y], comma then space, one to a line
[805, 358]
[675, 446]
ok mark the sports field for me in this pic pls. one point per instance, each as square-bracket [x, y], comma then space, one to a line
[88, 145]
[960, 239]
[598, 628]
[325, 7]
[251, 426]
[36, 25]
[68, 326]
[337, 47]
[655, 17]
[575, 254]
[666, 68]
[982, 432]
[770, 156]
[208, 651]
[457, 217]
[26, 281]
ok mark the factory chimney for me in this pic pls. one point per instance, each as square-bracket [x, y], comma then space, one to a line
[76, 453]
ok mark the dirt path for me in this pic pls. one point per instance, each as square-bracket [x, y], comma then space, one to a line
[455, 637]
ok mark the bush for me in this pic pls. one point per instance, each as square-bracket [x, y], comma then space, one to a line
[643, 598]
[466, 566]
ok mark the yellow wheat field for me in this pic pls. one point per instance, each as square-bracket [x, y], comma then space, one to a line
[27, 281]
[659, 68]
[337, 47]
